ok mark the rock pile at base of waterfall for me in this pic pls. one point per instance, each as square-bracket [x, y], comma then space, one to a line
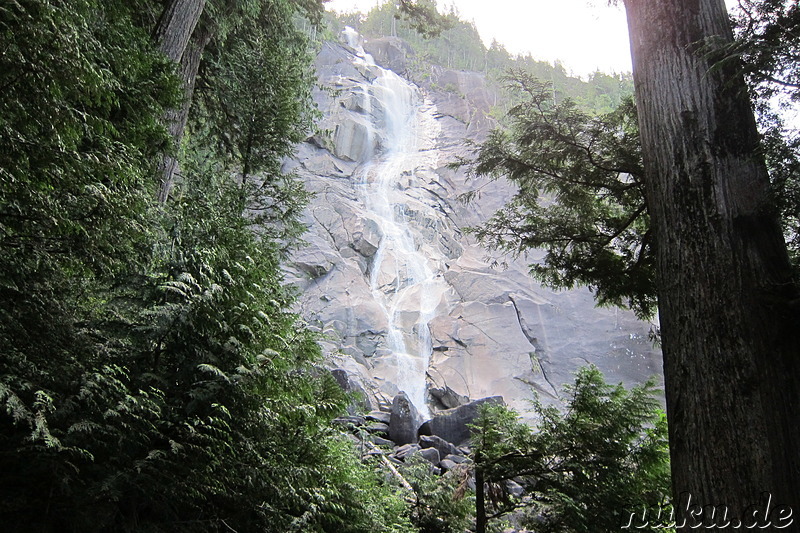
[443, 440]
[453, 424]
[442, 456]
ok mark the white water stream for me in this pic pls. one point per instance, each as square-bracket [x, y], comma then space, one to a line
[403, 279]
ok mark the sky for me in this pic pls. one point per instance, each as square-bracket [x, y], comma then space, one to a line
[585, 35]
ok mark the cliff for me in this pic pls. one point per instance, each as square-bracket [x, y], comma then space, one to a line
[405, 300]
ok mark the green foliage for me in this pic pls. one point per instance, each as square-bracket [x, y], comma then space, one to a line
[255, 91]
[424, 18]
[151, 375]
[440, 504]
[580, 196]
[76, 157]
[76, 146]
[253, 107]
[586, 469]
[766, 45]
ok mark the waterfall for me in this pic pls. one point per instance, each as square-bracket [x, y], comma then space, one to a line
[402, 278]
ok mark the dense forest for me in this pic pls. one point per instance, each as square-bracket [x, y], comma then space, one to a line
[154, 378]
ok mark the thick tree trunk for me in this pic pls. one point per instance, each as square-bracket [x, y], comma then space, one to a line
[176, 25]
[728, 308]
[176, 36]
[176, 119]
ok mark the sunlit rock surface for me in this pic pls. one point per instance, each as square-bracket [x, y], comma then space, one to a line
[478, 330]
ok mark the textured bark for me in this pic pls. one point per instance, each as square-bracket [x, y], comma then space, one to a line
[728, 308]
[176, 25]
[480, 497]
[176, 119]
[177, 35]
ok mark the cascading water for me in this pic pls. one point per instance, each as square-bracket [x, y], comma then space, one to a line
[402, 278]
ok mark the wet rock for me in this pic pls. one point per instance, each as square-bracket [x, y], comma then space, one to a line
[495, 331]
[368, 239]
[390, 52]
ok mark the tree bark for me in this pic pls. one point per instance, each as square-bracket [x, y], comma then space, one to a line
[176, 36]
[480, 497]
[729, 313]
[176, 25]
[176, 119]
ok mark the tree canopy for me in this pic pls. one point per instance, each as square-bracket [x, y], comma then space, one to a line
[673, 199]
[579, 195]
[585, 468]
[152, 377]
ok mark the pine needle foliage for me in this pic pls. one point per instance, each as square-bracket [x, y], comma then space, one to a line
[580, 196]
[585, 469]
[437, 504]
[152, 377]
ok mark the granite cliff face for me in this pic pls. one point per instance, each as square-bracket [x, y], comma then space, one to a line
[406, 301]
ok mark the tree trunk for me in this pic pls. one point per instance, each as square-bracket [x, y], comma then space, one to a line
[729, 312]
[175, 36]
[176, 119]
[176, 25]
[480, 497]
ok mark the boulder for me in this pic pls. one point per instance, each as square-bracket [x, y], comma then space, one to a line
[447, 397]
[431, 455]
[349, 421]
[379, 416]
[406, 450]
[380, 441]
[514, 489]
[451, 425]
[404, 420]
[353, 138]
[447, 464]
[432, 441]
[367, 240]
[377, 427]
[360, 399]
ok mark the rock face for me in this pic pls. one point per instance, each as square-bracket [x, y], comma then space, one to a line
[406, 301]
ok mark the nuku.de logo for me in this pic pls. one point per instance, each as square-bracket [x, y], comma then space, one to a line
[760, 515]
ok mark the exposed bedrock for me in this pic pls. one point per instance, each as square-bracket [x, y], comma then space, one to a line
[489, 330]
